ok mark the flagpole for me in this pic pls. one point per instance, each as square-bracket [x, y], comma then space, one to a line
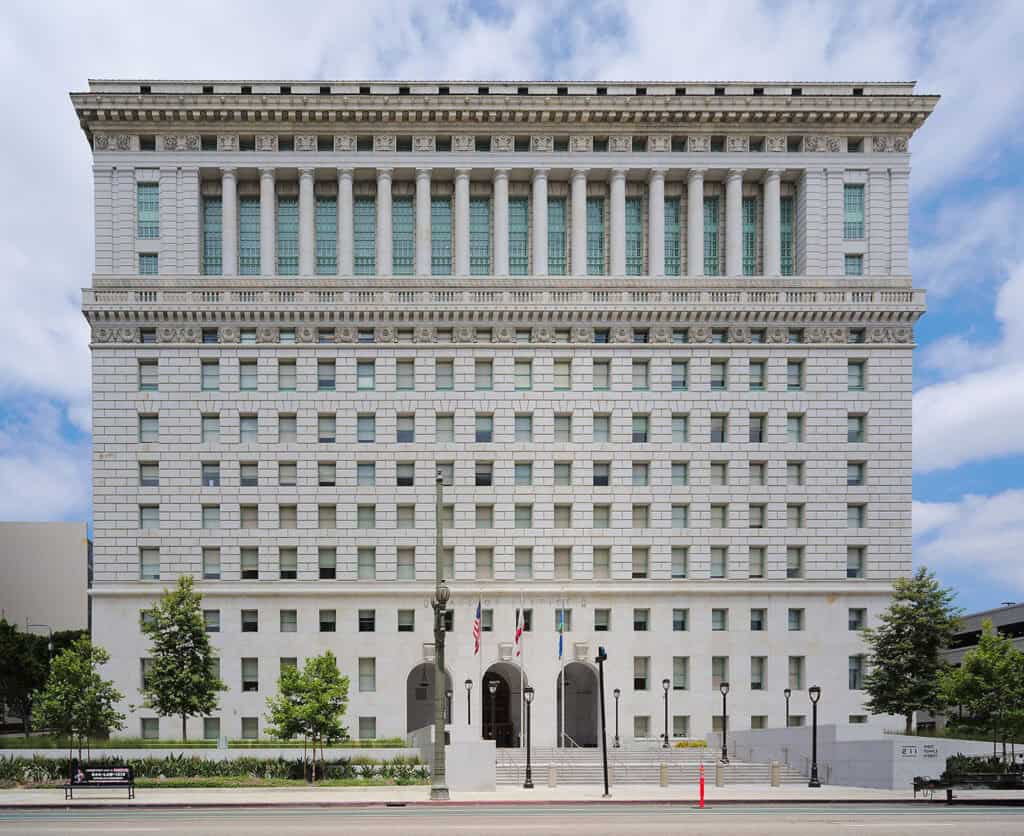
[522, 660]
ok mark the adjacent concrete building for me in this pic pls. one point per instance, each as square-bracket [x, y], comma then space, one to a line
[44, 579]
[656, 338]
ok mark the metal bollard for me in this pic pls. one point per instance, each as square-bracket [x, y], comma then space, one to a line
[775, 774]
[552, 776]
[719, 774]
[663, 775]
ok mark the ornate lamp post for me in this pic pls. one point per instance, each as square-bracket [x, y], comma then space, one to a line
[616, 693]
[664, 687]
[787, 694]
[814, 692]
[724, 688]
[438, 783]
[469, 702]
[528, 696]
[492, 689]
[600, 659]
[448, 706]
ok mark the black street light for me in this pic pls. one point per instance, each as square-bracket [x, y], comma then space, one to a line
[601, 658]
[492, 689]
[787, 694]
[664, 686]
[448, 705]
[724, 688]
[469, 702]
[528, 696]
[616, 693]
[814, 692]
[438, 781]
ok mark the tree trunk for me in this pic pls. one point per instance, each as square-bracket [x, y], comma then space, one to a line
[183, 718]
[910, 724]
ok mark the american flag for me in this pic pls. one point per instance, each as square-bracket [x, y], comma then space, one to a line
[519, 632]
[476, 630]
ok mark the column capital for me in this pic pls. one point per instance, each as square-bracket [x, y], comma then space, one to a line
[619, 171]
[773, 173]
[228, 170]
[501, 172]
[345, 172]
[307, 170]
[696, 173]
[657, 172]
[384, 173]
[541, 171]
[267, 170]
[580, 172]
[736, 173]
[463, 172]
[424, 171]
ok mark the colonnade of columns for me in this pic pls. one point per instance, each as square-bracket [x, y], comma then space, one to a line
[539, 238]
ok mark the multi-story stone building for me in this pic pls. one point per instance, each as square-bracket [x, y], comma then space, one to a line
[657, 340]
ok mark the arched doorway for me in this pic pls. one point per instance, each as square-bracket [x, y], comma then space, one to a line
[419, 697]
[581, 705]
[502, 711]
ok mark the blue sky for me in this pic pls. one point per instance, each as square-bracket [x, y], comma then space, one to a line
[967, 196]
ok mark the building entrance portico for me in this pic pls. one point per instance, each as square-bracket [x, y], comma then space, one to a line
[419, 697]
[502, 711]
[581, 705]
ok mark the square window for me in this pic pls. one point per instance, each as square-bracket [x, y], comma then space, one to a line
[796, 619]
[289, 621]
[366, 474]
[854, 474]
[211, 516]
[853, 265]
[602, 620]
[407, 621]
[405, 474]
[641, 474]
[367, 728]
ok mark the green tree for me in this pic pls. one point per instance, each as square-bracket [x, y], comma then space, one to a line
[180, 681]
[310, 703]
[77, 703]
[904, 650]
[987, 687]
[24, 665]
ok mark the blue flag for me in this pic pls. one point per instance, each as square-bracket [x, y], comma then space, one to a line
[561, 627]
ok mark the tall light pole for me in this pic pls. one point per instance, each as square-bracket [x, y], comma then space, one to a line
[787, 694]
[664, 687]
[724, 688]
[469, 702]
[616, 693]
[601, 658]
[492, 689]
[528, 696]
[814, 692]
[438, 781]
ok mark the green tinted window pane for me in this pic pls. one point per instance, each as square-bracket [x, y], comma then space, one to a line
[854, 265]
[148, 205]
[673, 262]
[786, 235]
[148, 264]
[749, 236]
[556, 236]
[441, 236]
[634, 236]
[249, 236]
[480, 236]
[212, 265]
[711, 260]
[403, 235]
[853, 211]
[287, 236]
[326, 219]
[595, 236]
[518, 236]
[364, 223]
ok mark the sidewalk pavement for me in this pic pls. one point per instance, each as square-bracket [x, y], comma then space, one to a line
[380, 796]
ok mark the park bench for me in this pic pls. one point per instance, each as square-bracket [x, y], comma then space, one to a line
[970, 781]
[101, 777]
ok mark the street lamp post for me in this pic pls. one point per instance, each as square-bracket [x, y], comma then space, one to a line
[600, 659]
[438, 783]
[616, 693]
[469, 702]
[664, 687]
[448, 706]
[787, 694]
[492, 689]
[814, 692]
[724, 688]
[528, 696]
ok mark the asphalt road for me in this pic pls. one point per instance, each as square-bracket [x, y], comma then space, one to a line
[625, 820]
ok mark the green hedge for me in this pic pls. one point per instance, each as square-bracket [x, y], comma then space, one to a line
[965, 764]
[37, 770]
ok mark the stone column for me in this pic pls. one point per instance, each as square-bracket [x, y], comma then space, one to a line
[772, 223]
[656, 222]
[423, 249]
[695, 222]
[461, 211]
[229, 221]
[384, 221]
[540, 221]
[579, 222]
[501, 222]
[734, 223]
[346, 233]
[268, 207]
[617, 224]
[307, 223]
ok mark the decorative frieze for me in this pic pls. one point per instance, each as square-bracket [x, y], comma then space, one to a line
[659, 143]
[817, 142]
[344, 142]
[115, 335]
[384, 142]
[463, 142]
[178, 142]
[115, 142]
[889, 334]
[890, 144]
[179, 334]
[581, 142]
[739, 334]
[423, 143]
[227, 142]
[737, 143]
[620, 143]
[266, 142]
[661, 334]
[542, 143]
[696, 144]
[700, 334]
[775, 143]
[503, 142]
[826, 335]
[305, 142]
[267, 334]
[229, 334]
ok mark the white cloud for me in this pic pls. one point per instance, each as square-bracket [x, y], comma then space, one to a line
[977, 535]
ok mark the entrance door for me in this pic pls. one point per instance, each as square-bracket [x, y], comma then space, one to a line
[582, 712]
